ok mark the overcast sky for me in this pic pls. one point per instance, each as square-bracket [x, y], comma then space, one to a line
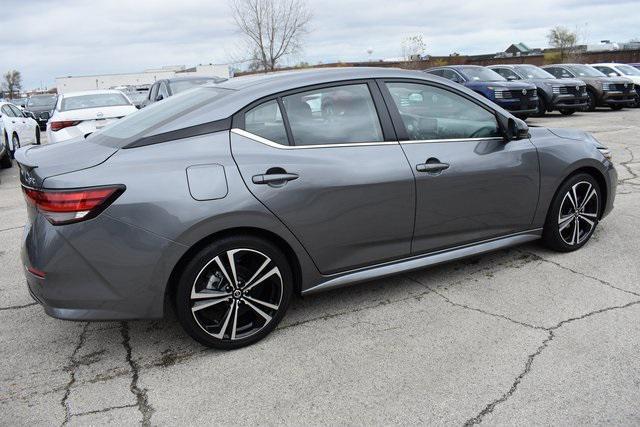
[48, 39]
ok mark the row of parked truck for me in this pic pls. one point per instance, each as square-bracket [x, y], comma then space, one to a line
[527, 90]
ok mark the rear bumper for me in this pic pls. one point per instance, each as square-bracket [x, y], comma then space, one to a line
[100, 269]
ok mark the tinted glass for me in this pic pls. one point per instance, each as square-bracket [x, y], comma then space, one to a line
[628, 70]
[16, 111]
[266, 121]
[452, 75]
[7, 111]
[153, 93]
[93, 101]
[334, 115]
[144, 121]
[585, 71]
[559, 73]
[163, 91]
[532, 72]
[432, 113]
[506, 73]
[606, 70]
[42, 101]
[482, 74]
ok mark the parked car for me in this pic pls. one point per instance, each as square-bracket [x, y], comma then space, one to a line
[519, 98]
[19, 102]
[40, 108]
[227, 199]
[566, 96]
[17, 129]
[603, 91]
[163, 89]
[78, 114]
[622, 70]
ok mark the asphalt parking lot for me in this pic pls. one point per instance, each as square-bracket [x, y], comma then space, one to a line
[522, 336]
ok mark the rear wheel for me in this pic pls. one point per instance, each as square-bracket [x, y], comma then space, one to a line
[234, 292]
[5, 161]
[574, 214]
[567, 112]
[37, 136]
[15, 141]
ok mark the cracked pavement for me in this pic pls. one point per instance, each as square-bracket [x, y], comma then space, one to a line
[521, 336]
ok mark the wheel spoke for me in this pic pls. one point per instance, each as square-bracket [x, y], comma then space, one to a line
[207, 294]
[590, 193]
[199, 305]
[258, 271]
[232, 263]
[565, 221]
[220, 334]
[257, 310]
[234, 327]
[590, 215]
[266, 304]
[576, 232]
[587, 220]
[224, 271]
[270, 273]
[573, 196]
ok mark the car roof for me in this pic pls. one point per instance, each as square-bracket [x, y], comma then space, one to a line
[187, 78]
[607, 64]
[89, 92]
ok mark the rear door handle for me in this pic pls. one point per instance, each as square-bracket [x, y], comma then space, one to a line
[432, 167]
[274, 178]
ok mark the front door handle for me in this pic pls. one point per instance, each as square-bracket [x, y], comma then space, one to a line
[274, 178]
[434, 167]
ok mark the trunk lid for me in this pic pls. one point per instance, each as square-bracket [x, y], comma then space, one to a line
[38, 162]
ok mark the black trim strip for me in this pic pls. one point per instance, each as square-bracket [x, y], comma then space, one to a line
[188, 132]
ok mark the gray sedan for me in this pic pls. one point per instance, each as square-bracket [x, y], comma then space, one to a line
[225, 200]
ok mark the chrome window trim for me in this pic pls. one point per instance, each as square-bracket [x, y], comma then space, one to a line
[420, 141]
[270, 143]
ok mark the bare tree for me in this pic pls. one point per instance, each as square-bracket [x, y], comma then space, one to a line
[564, 40]
[413, 47]
[272, 28]
[12, 82]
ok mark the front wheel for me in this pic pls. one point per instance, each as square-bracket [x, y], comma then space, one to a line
[592, 102]
[574, 214]
[542, 107]
[15, 142]
[5, 161]
[617, 107]
[234, 292]
[37, 136]
[567, 112]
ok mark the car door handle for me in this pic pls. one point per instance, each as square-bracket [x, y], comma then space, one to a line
[432, 167]
[274, 178]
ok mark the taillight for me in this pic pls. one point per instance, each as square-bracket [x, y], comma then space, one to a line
[63, 124]
[68, 206]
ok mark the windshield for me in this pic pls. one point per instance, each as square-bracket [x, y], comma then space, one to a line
[532, 72]
[182, 85]
[585, 71]
[482, 74]
[143, 122]
[93, 101]
[42, 101]
[628, 70]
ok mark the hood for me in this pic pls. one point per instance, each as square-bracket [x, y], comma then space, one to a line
[557, 82]
[38, 162]
[502, 85]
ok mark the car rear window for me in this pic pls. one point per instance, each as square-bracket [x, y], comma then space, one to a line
[93, 101]
[159, 114]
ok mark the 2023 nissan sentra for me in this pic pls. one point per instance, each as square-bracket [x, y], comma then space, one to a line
[227, 199]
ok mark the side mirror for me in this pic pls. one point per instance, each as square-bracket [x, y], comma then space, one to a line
[513, 128]
[511, 78]
[613, 74]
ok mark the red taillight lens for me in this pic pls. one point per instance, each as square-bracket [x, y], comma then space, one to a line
[67, 206]
[63, 124]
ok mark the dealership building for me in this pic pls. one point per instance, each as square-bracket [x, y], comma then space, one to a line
[108, 81]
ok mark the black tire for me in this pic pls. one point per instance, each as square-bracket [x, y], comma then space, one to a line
[559, 231]
[617, 107]
[15, 141]
[231, 315]
[5, 161]
[37, 136]
[542, 107]
[567, 112]
[523, 116]
[592, 101]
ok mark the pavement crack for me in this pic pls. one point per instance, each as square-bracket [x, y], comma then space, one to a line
[100, 411]
[72, 367]
[18, 307]
[601, 281]
[627, 166]
[530, 359]
[11, 228]
[142, 400]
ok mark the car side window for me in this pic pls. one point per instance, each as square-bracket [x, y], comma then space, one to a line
[265, 120]
[432, 113]
[7, 111]
[436, 72]
[452, 75]
[153, 92]
[607, 70]
[555, 71]
[333, 115]
[162, 91]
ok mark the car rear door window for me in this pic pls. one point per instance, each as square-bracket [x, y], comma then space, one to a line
[333, 115]
[452, 75]
[432, 113]
[265, 120]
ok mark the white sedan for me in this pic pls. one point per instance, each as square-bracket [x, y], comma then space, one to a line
[78, 114]
[17, 129]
